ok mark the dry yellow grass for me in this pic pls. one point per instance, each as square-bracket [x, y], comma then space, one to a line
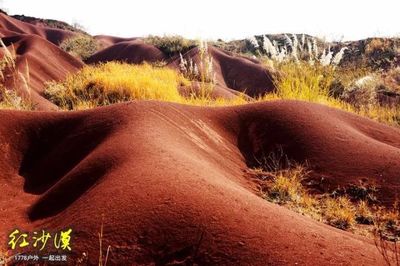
[115, 82]
[340, 212]
[118, 82]
[10, 100]
[284, 187]
[302, 81]
[364, 213]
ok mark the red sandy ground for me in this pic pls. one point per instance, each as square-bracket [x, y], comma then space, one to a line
[170, 180]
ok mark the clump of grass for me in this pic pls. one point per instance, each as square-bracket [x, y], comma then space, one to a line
[115, 82]
[303, 81]
[364, 214]
[202, 72]
[387, 223]
[286, 186]
[80, 46]
[339, 212]
[171, 45]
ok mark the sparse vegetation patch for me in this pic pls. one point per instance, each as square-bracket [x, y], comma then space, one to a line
[354, 208]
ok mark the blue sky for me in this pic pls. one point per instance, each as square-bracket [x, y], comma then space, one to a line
[211, 19]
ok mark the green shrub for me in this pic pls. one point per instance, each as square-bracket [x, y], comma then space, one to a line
[171, 45]
[80, 46]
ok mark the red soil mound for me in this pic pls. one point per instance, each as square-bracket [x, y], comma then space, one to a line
[133, 51]
[38, 61]
[107, 41]
[235, 72]
[171, 182]
[9, 24]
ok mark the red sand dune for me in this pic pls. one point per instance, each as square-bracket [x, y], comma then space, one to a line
[235, 72]
[171, 180]
[107, 40]
[130, 51]
[44, 62]
[9, 24]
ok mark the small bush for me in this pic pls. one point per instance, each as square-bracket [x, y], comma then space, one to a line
[364, 214]
[286, 186]
[81, 46]
[9, 99]
[340, 212]
[171, 45]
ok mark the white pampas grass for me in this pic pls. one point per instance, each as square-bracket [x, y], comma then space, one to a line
[338, 57]
[182, 63]
[364, 80]
[288, 41]
[326, 58]
[282, 55]
[295, 48]
[303, 42]
[269, 47]
[253, 41]
[295, 42]
[315, 48]
[298, 47]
